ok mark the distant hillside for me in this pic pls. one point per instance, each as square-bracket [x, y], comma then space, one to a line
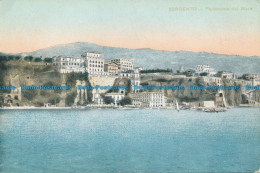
[149, 58]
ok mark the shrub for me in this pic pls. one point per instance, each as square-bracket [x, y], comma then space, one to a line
[69, 101]
[156, 71]
[125, 101]
[29, 94]
[28, 58]
[54, 100]
[37, 60]
[108, 100]
[49, 60]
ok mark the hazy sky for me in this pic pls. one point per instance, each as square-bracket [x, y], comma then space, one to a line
[204, 25]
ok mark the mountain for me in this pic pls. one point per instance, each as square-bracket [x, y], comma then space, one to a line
[149, 58]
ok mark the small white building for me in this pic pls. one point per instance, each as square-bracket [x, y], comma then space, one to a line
[205, 104]
[116, 96]
[133, 75]
[205, 69]
[97, 99]
[228, 75]
[211, 80]
[254, 76]
[252, 97]
[138, 69]
[124, 64]
[153, 99]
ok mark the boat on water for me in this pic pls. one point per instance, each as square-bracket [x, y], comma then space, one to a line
[177, 106]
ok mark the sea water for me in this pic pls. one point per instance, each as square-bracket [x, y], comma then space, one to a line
[109, 140]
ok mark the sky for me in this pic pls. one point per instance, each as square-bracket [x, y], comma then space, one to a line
[218, 26]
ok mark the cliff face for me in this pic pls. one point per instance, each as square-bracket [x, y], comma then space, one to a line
[19, 73]
[232, 97]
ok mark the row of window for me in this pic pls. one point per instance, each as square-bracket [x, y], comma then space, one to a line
[99, 62]
[96, 65]
[96, 69]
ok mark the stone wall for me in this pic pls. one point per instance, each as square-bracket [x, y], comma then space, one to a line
[102, 81]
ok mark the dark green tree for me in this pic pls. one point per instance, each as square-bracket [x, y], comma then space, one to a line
[69, 101]
[28, 58]
[108, 100]
[48, 60]
[37, 59]
[125, 101]
[54, 100]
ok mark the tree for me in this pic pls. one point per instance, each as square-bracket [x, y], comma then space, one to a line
[17, 57]
[29, 94]
[125, 101]
[69, 101]
[48, 60]
[54, 100]
[28, 58]
[37, 59]
[156, 71]
[204, 74]
[108, 100]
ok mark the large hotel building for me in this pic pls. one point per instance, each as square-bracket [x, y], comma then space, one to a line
[94, 62]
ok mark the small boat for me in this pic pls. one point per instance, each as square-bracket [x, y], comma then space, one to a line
[177, 106]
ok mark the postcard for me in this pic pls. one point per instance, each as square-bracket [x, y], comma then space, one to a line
[146, 86]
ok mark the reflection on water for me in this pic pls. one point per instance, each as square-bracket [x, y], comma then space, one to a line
[129, 141]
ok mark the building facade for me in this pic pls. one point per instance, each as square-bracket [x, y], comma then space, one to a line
[94, 63]
[68, 64]
[116, 96]
[96, 97]
[205, 69]
[124, 64]
[133, 75]
[228, 75]
[153, 99]
[112, 68]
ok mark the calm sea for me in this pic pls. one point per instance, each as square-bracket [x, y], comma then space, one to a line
[109, 140]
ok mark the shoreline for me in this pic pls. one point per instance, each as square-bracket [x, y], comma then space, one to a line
[110, 107]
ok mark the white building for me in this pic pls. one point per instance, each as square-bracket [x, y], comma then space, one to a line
[116, 96]
[206, 104]
[254, 76]
[153, 99]
[68, 64]
[228, 75]
[211, 80]
[97, 99]
[138, 69]
[94, 63]
[133, 75]
[252, 97]
[125, 64]
[206, 69]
